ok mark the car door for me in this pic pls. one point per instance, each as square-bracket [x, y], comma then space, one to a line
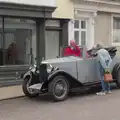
[92, 69]
[87, 70]
[82, 70]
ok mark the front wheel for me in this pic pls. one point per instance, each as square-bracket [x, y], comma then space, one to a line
[59, 88]
[26, 90]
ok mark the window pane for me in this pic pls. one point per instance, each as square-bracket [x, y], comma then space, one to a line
[83, 24]
[1, 42]
[1, 29]
[76, 37]
[116, 30]
[116, 23]
[76, 24]
[17, 42]
[116, 36]
[83, 37]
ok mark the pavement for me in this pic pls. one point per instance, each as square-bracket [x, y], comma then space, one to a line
[79, 106]
[11, 92]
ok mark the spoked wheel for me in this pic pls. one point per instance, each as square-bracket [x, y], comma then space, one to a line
[59, 88]
[26, 90]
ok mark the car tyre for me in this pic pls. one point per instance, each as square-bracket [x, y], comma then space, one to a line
[26, 91]
[114, 72]
[118, 79]
[59, 88]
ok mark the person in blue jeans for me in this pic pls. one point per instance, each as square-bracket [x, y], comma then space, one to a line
[104, 61]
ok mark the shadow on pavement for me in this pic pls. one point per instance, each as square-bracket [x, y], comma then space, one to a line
[76, 93]
[90, 91]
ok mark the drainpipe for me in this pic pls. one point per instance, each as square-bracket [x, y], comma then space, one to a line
[43, 58]
[84, 53]
[3, 36]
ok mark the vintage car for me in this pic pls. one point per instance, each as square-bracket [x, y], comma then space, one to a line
[60, 75]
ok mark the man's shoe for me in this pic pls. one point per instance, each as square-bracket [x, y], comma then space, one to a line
[101, 93]
[108, 92]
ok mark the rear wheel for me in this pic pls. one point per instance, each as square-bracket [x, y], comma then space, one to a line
[59, 88]
[118, 79]
[116, 74]
[26, 90]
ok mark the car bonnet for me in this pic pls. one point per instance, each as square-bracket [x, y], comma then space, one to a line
[60, 60]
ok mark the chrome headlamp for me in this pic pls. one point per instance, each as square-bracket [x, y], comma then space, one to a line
[49, 68]
[30, 67]
[33, 68]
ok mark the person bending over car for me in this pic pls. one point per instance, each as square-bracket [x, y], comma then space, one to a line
[104, 60]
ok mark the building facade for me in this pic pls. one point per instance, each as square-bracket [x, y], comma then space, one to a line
[58, 37]
[30, 32]
[96, 21]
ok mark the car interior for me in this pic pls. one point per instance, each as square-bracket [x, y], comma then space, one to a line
[92, 53]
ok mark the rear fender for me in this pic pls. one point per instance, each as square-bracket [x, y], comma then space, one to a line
[118, 67]
[115, 70]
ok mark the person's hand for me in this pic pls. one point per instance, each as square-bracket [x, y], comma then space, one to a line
[107, 70]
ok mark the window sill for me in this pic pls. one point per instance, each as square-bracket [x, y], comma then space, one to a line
[104, 2]
[116, 44]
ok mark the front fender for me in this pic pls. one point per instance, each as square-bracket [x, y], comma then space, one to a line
[27, 74]
[60, 72]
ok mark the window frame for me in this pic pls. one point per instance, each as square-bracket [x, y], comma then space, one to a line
[112, 30]
[80, 29]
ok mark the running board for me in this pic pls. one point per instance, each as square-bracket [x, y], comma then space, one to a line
[36, 86]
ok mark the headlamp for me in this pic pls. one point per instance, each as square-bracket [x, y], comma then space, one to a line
[49, 68]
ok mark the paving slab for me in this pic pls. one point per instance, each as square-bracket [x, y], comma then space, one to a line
[11, 92]
[86, 106]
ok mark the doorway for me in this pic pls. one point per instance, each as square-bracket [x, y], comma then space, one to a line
[52, 44]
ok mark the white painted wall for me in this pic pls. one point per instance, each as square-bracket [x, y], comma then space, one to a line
[90, 16]
[90, 33]
[33, 2]
[65, 9]
[70, 31]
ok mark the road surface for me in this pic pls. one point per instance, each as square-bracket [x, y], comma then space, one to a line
[77, 107]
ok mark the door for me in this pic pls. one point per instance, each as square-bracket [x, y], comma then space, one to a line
[82, 71]
[87, 70]
[92, 73]
[52, 44]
